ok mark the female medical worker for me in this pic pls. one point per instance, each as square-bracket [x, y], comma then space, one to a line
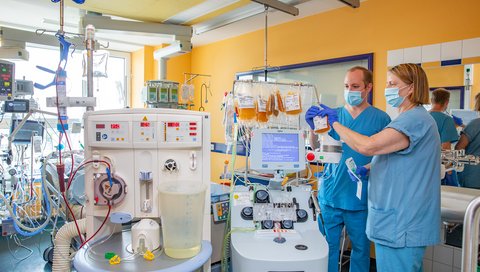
[470, 141]
[404, 186]
[337, 194]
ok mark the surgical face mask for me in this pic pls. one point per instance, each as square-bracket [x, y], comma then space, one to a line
[393, 97]
[353, 98]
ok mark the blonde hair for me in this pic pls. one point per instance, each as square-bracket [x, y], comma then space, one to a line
[477, 102]
[411, 73]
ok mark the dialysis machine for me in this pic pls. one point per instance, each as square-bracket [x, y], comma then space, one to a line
[274, 227]
[143, 148]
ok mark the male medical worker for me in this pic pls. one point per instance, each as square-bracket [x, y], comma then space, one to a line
[446, 127]
[338, 194]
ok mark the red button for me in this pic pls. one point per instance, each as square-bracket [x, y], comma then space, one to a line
[193, 128]
[310, 156]
[193, 134]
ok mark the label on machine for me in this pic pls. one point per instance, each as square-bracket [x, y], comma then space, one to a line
[274, 211]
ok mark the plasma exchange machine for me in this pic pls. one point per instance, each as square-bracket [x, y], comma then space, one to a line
[151, 165]
[274, 227]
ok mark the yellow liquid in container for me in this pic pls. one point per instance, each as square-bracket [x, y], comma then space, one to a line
[270, 105]
[246, 113]
[320, 131]
[246, 107]
[280, 105]
[293, 104]
[321, 124]
[262, 117]
[181, 211]
[261, 111]
[182, 253]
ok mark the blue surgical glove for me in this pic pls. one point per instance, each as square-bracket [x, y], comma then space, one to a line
[332, 114]
[310, 114]
[458, 121]
[361, 172]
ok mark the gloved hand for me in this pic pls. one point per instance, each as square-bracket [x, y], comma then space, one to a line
[310, 114]
[332, 114]
[361, 172]
[457, 120]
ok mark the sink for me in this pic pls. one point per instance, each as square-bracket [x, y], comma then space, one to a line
[454, 202]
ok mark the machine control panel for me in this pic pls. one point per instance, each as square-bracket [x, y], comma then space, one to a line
[111, 131]
[182, 132]
[273, 212]
[7, 73]
[144, 131]
[220, 211]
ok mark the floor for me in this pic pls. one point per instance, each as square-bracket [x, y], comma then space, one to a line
[12, 257]
[346, 263]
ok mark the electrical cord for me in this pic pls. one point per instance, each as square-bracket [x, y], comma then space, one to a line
[19, 244]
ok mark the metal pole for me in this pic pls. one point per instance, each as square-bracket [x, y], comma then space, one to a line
[61, 16]
[470, 236]
[266, 42]
[90, 46]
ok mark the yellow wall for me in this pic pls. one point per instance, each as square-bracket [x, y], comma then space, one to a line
[377, 26]
[145, 67]
[142, 70]
[445, 76]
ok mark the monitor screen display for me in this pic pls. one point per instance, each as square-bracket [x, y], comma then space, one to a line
[280, 147]
[277, 149]
[28, 129]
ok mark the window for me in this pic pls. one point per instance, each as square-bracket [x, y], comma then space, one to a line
[112, 92]
[327, 75]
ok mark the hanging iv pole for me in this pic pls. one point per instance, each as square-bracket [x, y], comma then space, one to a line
[278, 5]
[266, 43]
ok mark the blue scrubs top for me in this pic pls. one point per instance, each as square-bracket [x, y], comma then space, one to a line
[404, 186]
[470, 177]
[446, 127]
[338, 190]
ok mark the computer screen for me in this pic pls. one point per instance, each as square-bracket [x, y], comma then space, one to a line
[24, 135]
[277, 149]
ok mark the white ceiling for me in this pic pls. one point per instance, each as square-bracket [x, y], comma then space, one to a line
[34, 14]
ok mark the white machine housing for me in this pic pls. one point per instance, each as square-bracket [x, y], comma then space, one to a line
[148, 232]
[145, 147]
[304, 249]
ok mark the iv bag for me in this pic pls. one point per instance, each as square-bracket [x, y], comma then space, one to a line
[187, 93]
[100, 60]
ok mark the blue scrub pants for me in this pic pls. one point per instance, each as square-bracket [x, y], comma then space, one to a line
[404, 259]
[355, 223]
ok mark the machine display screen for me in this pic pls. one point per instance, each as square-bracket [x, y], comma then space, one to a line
[17, 105]
[280, 147]
[115, 126]
[277, 149]
[28, 129]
